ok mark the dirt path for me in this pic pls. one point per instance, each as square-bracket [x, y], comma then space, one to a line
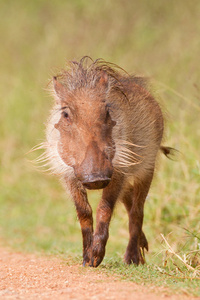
[25, 276]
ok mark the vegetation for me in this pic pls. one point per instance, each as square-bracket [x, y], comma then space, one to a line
[160, 39]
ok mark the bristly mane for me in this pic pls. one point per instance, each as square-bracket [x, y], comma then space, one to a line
[86, 73]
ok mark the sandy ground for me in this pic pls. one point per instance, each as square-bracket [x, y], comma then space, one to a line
[24, 276]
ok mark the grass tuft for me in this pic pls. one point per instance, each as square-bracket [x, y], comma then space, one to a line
[190, 263]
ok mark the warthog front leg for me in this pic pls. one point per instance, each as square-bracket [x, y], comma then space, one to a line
[84, 212]
[104, 214]
[134, 199]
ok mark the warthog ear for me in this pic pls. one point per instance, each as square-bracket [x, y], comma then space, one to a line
[103, 81]
[59, 89]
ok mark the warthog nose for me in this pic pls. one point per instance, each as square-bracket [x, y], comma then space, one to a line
[95, 183]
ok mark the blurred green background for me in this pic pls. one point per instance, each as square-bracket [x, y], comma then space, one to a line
[158, 38]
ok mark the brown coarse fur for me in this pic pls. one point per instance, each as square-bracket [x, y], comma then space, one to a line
[104, 132]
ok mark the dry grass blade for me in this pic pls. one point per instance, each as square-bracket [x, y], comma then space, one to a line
[170, 250]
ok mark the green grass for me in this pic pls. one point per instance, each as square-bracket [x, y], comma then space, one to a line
[160, 39]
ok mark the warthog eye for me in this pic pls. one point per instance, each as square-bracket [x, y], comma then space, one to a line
[109, 119]
[65, 114]
[107, 116]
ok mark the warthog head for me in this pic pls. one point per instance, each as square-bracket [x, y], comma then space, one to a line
[85, 128]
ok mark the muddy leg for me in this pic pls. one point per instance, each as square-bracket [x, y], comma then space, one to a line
[133, 200]
[84, 212]
[104, 213]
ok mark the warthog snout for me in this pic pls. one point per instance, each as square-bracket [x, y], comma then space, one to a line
[95, 181]
[96, 169]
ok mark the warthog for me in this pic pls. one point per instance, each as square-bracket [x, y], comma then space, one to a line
[104, 132]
